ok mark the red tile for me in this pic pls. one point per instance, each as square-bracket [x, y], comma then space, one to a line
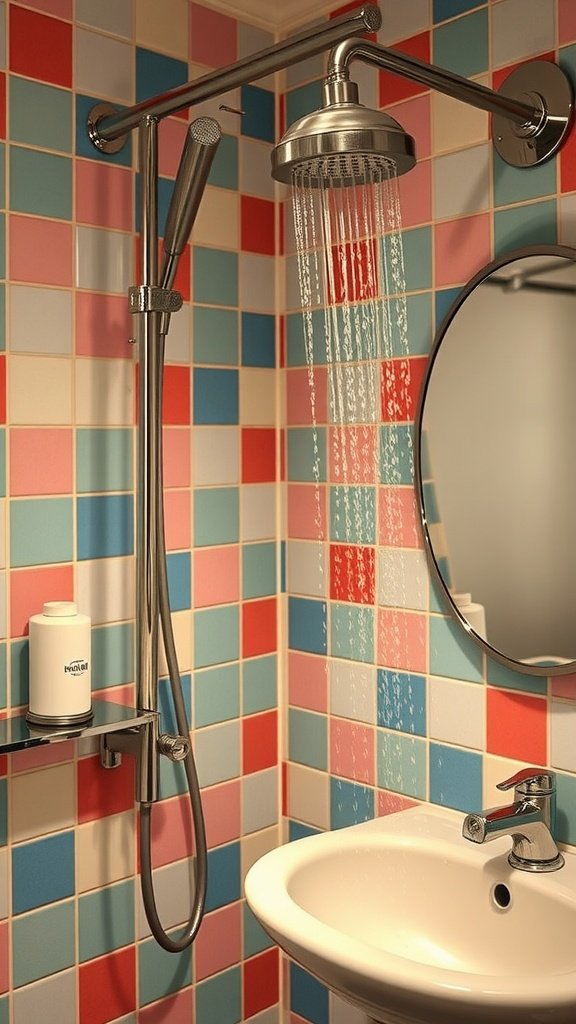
[284, 794]
[400, 386]
[103, 326]
[501, 74]
[353, 6]
[259, 627]
[222, 813]
[353, 271]
[41, 460]
[259, 742]
[182, 279]
[261, 982]
[568, 163]
[352, 573]
[176, 411]
[516, 726]
[566, 22]
[104, 791]
[40, 47]
[107, 987]
[393, 88]
[30, 588]
[172, 835]
[258, 455]
[257, 232]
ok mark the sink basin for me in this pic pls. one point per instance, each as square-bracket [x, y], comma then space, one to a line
[413, 924]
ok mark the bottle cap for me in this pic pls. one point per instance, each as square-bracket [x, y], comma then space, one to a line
[60, 608]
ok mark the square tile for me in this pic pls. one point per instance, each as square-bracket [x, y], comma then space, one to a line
[461, 46]
[40, 115]
[455, 778]
[40, 47]
[34, 952]
[42, 872]
[104, 66]
[40, 531]
[521, 28]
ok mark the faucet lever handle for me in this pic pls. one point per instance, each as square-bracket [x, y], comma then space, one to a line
[533, 782]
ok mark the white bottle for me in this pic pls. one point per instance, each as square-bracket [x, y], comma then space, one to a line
[60, 669]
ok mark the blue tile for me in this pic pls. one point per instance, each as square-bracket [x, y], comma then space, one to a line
[215, 334]
[104, 460]
[35, 952]
[518, 184]
[219, 999]
[402, 764]
[42, 872]
[41, 115]
[224, 881]
[307, 625]
[3, 676]
[224, 169]
[444, 9]
[41, 531]
[297, 830]
[105, 920]
[455, 778]
[215, 396]
[420, 330]
[105, 526]
[401, 700]
[5, 1010]
[166, 704]
[350, 803]
[179, 580]
[156, 73]
[444, 299]
[303, 100]
[215, 276]
[308, 997]
[258, 340]
[40, 183]
[85, 148]
[452, 652]
[308, 738]
[258, 121]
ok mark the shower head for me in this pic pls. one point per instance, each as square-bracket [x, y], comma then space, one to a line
[325, 142]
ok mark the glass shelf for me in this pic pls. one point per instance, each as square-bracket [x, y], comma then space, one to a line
[17, 734]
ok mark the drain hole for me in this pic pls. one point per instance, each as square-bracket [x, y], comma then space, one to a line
[501, 895]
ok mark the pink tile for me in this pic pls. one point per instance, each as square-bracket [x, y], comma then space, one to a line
[415, 117]
[212, 37]
[104, 195]
[307, 511]
[401, 640]
[31, 241]
[415, 191]
[352, 750]
[566, 22]
[41, 461]
[299, 408]
[398, 518]
[352, 455]
[176, 457]
[219, 942]
[30, 588]
[103, 326]
[4, 957]
[171, 136]
[216, 575]
[178, 1009]
[390, 803]
[564, 686]
[40, 757]
[307, 681]
[172, 837]
[118, 694]
[177, 518]
[222, 813]
[461, 247]
[60, 8]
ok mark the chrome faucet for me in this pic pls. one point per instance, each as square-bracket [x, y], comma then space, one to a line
[530, 821]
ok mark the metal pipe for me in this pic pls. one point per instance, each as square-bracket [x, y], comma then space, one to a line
[265, 62]
[525, 114]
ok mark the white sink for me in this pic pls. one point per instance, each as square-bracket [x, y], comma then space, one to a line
[401, 916]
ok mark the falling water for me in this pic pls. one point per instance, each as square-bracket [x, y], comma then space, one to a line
[350, 263]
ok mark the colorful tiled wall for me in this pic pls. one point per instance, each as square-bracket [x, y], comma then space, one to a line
[429, 717]
[74, 944]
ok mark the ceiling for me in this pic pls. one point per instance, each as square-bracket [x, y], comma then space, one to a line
[274, 15]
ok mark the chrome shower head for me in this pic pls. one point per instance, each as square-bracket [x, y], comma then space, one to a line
[325, 142]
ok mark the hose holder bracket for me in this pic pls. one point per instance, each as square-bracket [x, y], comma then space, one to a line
[141, 743]
[145, 298]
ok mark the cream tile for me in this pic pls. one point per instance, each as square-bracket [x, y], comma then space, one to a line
[3, 626]
[217, 751]
[562, 719]
[402, 578]
[309, 795]
[259, 800]
[256, 282]
[113, 16]
[215, 456]
[182, 626]
[163, 26]
[103, 66]
[218, 220]
[456, 712]
[104, 392]
[456, 125]
[342, 1012]
[173, 889]
[40, 390]
[256, 845]
[40, 320]
[105, 589]
[104, 260]
[353, 690]
[403, 20]
[462, 182]
[43, 801]
[257, 512]
[521, 28]
[254, 168]
[178, 341]
[2, 533]
[497, 769]
[257, 397]
[306, 568]
[105, 851]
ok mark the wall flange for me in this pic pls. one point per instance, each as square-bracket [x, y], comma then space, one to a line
[543, 84]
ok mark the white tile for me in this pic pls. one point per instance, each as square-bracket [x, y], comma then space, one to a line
[256, 283]
[402, 20]
[259, 800]
[521, 28]
[215, 456]
[174, 893]
[353, 690]
[567, 220]
[105, 589]
[2, 533]
[53, 1000]
[217, 752]
[254, 168]
[104, 260]
[105, 851]
[353, 388]
[498, 769]
[309, 795]
[114, 16]
[3, 617]
[42, 802]
[455, 124]
[562, 726]
[182, 627]
[342, 1012]
[218, 220]
[456, 712]
[40, 320]
[257, 512]
[178, 341]
[40, 390]
[257, 397]
[306, 568]
[255, 846]
[251, 40]
[104, 392]
[402, 578]
[462, 182]
[103, 66]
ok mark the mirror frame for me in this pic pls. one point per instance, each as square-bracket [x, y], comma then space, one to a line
[567, 252]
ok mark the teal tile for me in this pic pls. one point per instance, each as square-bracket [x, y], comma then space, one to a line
[566, 809]
[308, 738]
[216, 516]
[534, 224]
[3, 677]
[420, 326]
[452, 652]
[35, 953]
[224, 170]
[106, 920]
[215, 334]
[40, 183]
[104, 460]
[417, 247]
[160, 972]
[19, 672]
[259, 684]
[258, 570]
[350, 803]
[171, 779]
[303, 100]
[112, 655]
[353, 514]
[501, 675]
[396, 454]
[306, 453]
[5, 1010]
[219, 999]
[216, 695]
[41, 531]
[352, 632]
[462, 45]
[518, 184]
[40, 115]
[444, 9]
[402, 764]
[255, 938]
[215, 276]
[216, 636]
[298, 337]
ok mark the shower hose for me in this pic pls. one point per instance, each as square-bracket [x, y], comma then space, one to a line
[172, 945]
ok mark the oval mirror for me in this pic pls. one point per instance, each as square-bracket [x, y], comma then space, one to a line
[496, 437]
